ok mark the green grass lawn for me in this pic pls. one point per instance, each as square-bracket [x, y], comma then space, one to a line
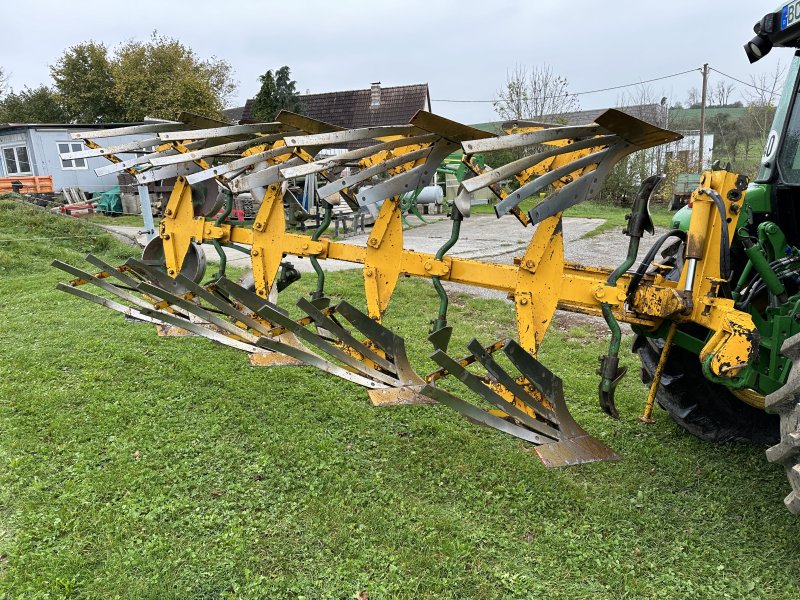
[134, 220]
[139, 467]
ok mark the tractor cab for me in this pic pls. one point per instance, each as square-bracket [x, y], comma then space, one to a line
[773, 194]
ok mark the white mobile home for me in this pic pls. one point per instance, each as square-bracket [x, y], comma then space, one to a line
[32, 149]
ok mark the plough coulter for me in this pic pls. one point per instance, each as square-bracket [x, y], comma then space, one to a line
[378, 166]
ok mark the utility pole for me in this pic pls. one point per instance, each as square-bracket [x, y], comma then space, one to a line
[703, 114]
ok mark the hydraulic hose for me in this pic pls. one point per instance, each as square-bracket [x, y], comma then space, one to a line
[636, 279]
[223, 260]
[724, 242]
[326, 221]
[762, 267]
[638, 222]
[609, 363]
[441, 319]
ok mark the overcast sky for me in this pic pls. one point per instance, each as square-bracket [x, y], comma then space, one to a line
[461, 48]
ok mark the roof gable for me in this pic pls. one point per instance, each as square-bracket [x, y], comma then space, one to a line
[355, 108]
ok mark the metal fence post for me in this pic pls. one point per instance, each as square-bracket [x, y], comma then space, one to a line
[147, 212]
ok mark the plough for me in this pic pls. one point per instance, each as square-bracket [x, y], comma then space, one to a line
[388, 163]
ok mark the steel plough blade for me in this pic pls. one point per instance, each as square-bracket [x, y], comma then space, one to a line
[273, 314]
[365, 353]
[140, 285]
[529, 406]
[379, 362]
[380, 358]
[379, 352]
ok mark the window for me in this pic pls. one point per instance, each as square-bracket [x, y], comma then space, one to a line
[75, 163]
[16, 160]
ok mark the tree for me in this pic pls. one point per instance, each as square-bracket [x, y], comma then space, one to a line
[161, 77]
[277, 93]
[3, 81]
[623, 180]
[38, 105]
[84, 80]
[761, 97]
[693, 98]
[720, 94]
[533, 94]
[731, 136]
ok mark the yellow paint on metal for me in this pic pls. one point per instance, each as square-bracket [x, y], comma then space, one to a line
[178, 227]
[384, 155]
[732, 343]
[647, 416]
[554, 162]
[267, 247]
[751, 397]
[200, 162]
[263, 148]
[383, 258]
[539, 282]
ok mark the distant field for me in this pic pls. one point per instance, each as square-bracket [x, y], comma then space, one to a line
[139, 467]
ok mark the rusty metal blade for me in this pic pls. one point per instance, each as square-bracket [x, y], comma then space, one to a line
[508, 382]
[451, 130]
[304, 123]
[129, 312]
[273, 314]
[330, 325]
[635, 131]
[548, 384]
[315, 360]
[575, 451]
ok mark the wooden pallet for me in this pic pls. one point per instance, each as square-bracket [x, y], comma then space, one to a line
[30, 184]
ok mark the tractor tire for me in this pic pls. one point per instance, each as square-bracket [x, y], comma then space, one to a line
[707, 410]
[786, 403]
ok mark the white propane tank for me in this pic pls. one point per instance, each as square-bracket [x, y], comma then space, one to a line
[431, 194]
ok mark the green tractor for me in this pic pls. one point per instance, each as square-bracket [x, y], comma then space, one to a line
[762, 406]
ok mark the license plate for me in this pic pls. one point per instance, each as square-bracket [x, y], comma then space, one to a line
[790, 14]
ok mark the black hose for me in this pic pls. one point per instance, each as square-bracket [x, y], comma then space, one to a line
[787, 261]
[724, 242]
[758, 287]
[648, 259]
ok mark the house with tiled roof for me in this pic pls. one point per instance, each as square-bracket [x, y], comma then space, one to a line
[375, 105]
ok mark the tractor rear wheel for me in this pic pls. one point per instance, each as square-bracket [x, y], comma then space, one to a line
[707, 410]
[786, 403]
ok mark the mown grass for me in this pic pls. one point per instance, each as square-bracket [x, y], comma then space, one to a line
[131, 220]
[138, 467]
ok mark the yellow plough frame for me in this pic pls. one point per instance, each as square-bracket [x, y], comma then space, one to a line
[381, 165]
